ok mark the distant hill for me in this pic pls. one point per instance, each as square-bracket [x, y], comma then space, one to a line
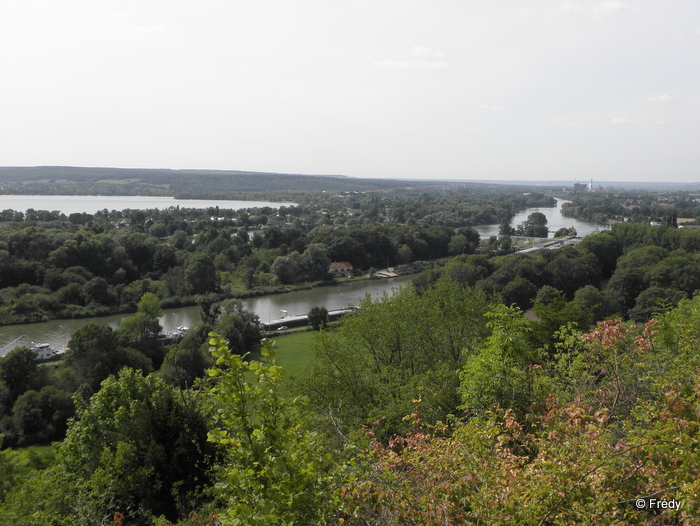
[232, 184]
[211, 184]
[180, 183]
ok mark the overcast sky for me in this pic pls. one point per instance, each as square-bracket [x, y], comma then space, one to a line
[508, 89]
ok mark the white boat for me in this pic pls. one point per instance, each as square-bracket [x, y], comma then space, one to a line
[45, 353]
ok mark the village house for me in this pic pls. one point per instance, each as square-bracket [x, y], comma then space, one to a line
[341, 268]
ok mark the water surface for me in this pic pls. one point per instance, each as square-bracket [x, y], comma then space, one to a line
[70, 204]
[555, 221]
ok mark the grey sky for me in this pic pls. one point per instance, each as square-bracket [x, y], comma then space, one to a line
[414, 89]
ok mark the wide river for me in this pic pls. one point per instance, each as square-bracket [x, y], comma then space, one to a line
[70, 204]
[555, 221]
[57, 332]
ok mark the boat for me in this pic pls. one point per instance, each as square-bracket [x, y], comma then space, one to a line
[45, 353]
[178, 334]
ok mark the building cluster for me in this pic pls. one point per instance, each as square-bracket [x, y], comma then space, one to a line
[583, 187]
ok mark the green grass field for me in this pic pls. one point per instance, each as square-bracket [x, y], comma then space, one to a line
[294, 352]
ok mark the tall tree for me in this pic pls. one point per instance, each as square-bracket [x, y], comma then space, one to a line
[201, 274]
[318, 318]
[95, 354]
[535, 225]
[19, 371]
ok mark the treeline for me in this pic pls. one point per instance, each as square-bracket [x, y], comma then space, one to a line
[629, 206]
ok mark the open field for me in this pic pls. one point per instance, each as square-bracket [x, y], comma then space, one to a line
[294, 352]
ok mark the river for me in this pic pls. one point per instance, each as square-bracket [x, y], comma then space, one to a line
[58, 332]
[70, 204]
[555, 221]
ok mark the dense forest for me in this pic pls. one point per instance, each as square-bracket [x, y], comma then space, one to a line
[554, 387]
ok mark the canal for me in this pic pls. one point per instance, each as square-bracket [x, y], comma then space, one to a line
[58, 332]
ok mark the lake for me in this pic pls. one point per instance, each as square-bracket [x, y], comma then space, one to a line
[349, 292]
[71, 204]
[555, 221]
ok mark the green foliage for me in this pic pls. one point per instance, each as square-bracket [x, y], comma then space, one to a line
[312, 265]
[468, 270]
[591, 299]
[562, 426]
[458, 245]
[571, 270]
[534, 226]
[97, 290]
[653, 301]
[140, 332]
[546, 295]
[25, 489]
[201, 274]
[394, 350]
[95, 353]
[150, 306]
[276, 470]
[620, 424]
[183, 364]
[39, 417]
[679, 271]
[606, 248]
[632, 275]
[555, 314]
[676, 355]
[318, 318]
[563, 232]
[238, 326]
[519, 292]
[138, 448]
[19, 371]
[506, 373]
